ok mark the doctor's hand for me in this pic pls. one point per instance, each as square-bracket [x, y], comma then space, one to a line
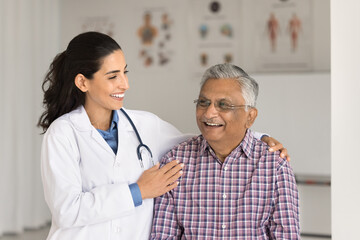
[155, 182]
[275, 145]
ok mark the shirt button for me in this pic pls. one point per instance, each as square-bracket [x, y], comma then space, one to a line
[225, 168]
[224, 196]
[223, 226]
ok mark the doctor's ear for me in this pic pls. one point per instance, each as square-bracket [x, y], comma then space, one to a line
[80, 82]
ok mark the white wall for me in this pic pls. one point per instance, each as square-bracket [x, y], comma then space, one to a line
[295, 108]
[345, 115]
[28, 40]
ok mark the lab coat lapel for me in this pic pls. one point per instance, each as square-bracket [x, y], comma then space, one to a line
[124, 124]
[81, 121]
[101, 141]
[124, 127]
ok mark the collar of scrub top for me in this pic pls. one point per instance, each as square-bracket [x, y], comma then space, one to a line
[114, 122]
[141, 144]
[111, 135]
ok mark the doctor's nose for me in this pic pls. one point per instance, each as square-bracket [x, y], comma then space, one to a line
[124, 82]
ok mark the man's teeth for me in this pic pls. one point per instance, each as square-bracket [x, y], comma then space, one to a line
[212, 124]
[117, 95]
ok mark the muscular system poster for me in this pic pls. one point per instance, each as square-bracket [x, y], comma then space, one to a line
[283, 35]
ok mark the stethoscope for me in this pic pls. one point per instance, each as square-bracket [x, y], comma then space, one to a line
[141, 145]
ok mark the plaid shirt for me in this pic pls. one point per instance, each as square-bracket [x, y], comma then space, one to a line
[252, 195]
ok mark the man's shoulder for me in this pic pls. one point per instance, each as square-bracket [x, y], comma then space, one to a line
[185, 149]
[190, 144]
[261, 151]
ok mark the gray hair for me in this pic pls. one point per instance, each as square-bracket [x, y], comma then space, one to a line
[249, 87]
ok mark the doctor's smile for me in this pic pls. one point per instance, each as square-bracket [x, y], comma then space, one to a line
[119, 96]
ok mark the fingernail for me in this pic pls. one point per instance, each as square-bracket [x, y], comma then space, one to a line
[181, 172]
[271, 150]
[182, 165]
[177, 161]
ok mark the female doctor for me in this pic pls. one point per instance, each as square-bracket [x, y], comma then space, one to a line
[99, 161]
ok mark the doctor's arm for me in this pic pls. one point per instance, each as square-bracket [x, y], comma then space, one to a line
[155, 182]
[69, 203]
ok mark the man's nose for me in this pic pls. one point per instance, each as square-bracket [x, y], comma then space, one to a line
[211, 111]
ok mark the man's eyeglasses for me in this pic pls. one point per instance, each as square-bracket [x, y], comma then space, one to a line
[221, 105]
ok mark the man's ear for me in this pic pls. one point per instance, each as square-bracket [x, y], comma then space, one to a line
[251, 117]
[80, 81]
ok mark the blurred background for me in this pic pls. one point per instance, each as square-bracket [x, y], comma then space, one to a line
[307, 96]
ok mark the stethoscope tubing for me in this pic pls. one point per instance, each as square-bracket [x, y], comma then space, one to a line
[141, 144]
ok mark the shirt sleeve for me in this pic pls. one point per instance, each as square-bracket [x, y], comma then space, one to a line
[284, 222]
[70, 205]
[259, 135]
[136, 194]
[165, 224]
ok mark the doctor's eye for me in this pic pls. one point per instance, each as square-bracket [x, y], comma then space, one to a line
[113, 77]
[126, 71]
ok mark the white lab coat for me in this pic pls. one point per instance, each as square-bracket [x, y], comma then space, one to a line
[86, 185]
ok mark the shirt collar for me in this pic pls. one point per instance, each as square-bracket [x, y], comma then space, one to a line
[114, 121]
[246, 146]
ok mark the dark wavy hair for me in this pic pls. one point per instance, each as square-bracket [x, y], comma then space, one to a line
[84, 54]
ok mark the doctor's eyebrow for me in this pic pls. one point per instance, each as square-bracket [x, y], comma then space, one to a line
[116, 71]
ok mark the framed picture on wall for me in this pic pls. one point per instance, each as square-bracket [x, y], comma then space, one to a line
[155, 36]
[214, 33]
[283, 35]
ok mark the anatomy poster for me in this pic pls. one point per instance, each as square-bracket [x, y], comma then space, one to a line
[213, 27]
[155, 36]
[283, 35]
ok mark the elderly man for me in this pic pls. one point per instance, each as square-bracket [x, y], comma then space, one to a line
[232, 187]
